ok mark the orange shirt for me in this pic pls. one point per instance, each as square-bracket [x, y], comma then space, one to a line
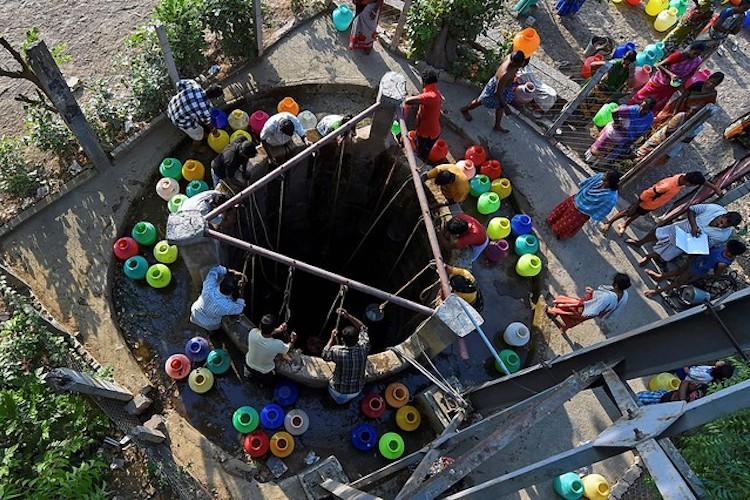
[660, 193]
[428, 116]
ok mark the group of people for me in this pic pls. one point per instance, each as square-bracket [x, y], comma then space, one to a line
[694, 382]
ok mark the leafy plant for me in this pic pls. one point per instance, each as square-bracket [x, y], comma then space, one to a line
[146, 74]
[17, 177]
[47, 131]
[184, 25]
[59, 51]
[106, 113]
[478, 66]
[233, 22]
[719, 452]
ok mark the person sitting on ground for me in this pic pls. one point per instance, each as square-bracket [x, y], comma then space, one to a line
[263, 347]
[464, 231]
[706, 374]
[498, 92]
[613, 85]
[463, 283]
[452, 181]
[280, 129]
[233, 158]
[602, 302]
[656, 197]
[190, 109]
[717, 260]
[629, 123]
[688, 391]
[220, 296]
[350, 359]
[329, 123]
[430, 103]
[708, 218]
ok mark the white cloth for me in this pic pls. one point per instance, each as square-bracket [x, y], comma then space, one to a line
[202, 202]
[212, 305]
[272, 133]
[262, 351]
[196, 133]
[604, 302]
[328, 124]
[700, 374]
[705, 213]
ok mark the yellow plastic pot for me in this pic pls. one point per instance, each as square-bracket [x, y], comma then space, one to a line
[238, 119]
[664, 382]
[201, 380]
[595, 487]
[502, 187]
[282, 444]
[498, 228]
[193, 170]
[164, 252]
[218, 140]
[238, 133]
[528, 265]
[408, 418]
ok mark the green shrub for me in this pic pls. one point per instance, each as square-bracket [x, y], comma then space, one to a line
[233, 22]
[183, 22]
[48, 132]
[106, 114]
[475, 65]
[719, 452]
[146, 75]
[47, 440]
[17, 177]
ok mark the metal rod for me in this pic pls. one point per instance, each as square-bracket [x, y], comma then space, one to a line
[486, 341]
[322, 273]
[292, 162]
[727, 332]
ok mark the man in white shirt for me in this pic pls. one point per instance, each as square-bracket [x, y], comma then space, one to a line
[278, 132]
[263, 348]
[220, 296]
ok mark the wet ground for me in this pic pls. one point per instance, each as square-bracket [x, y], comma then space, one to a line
[155, 324]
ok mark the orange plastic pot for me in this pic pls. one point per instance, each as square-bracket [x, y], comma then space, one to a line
[396, 395]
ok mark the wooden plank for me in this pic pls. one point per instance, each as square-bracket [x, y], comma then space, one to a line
[405, 6]
[258, 26]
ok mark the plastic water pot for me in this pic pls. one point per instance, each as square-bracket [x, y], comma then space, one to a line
[666, 19]
[528, 265]
[296, 422]
[408, 418]
[197, 349]
[218, 140]
[526, 243]
[272, 416]
[219, 118]
[476, 153]
[653, 7]
[144, 233]
[364, 437]
[492, 169]
[307, 119]
[166, 187]
[664, 382]
[391, 445]
[604, 115]
[479, 184]
[516, 334]
[438, 152]
[657, 48]
[135, 267]
[282, 444]
[498, 228]
[342, 17]
[201, 380]
[646, 56]
[245, 419]
[288, 105]
[257, 120]
[193, 170]
[175, 202]
[488, 203]
[164, 252]
[520, 224]
[240, 133]
[177, 366]
[586, 67]
[373, 406]
[286, 393]
[158, 276]
[239, 120]
[502, 187]
[218, 361]
[527, 41]
[497, 250]
[680, 5]
[569, 486]
[642, 75]
[195, 187]
[510, 359]
[256, 444]
[395, 128]
[622, 49]
[595, 487]
[125, 247]
[396, 395]
[468, 167]
[171, 167]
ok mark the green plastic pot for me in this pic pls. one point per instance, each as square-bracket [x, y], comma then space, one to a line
[245, 419]
[171, 167]
[218, 361]
[144, 233]
[175, 202]
[391, 445]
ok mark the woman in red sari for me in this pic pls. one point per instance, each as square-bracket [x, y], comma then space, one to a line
[365, 25]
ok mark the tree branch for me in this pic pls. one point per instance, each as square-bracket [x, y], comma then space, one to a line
[26, 72]
[40, 101]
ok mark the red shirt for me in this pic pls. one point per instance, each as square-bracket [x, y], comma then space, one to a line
[476, 235]
[428, 116]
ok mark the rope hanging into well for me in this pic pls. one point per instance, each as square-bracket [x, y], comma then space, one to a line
[340, 299]
[285, 311]
[429, 265]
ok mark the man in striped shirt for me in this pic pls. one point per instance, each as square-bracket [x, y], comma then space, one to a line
[219, 297]
[350, 359]
[190, 109]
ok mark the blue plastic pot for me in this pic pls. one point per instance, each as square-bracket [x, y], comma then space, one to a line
[623, 49]
[196, 187]
[520, 224]
[135, 267]
[219, 118]
[342, 17]
[218, 361]
[526, 243]
[569, 486]
[197, 349]
[364, 437]
[286, 393]
[272, 416]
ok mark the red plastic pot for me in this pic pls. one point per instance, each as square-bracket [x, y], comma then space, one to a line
[586, 68]
[256, 444]
[491, 169]
[373, 406]
[438, 152]
[125, 247]
[477, 154]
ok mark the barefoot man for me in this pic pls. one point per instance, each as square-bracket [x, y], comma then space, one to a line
[498, 93]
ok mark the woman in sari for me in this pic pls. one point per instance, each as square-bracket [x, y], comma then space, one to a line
[669, 75]
[568, 312]
[612, 86]
[628, 124]
[691, 100]
[689, 25]
[365, 24]
[596, 198]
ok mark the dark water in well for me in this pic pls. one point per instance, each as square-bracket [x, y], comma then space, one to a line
[155, 322]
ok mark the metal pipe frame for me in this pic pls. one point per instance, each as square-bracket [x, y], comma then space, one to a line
[322, 273]
[292, 162]
[685, 338]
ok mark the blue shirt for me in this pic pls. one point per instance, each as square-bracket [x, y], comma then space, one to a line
[595, 200]
[701, 265]
[212, 305]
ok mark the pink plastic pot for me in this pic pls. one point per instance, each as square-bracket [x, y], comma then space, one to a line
[257, 120]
